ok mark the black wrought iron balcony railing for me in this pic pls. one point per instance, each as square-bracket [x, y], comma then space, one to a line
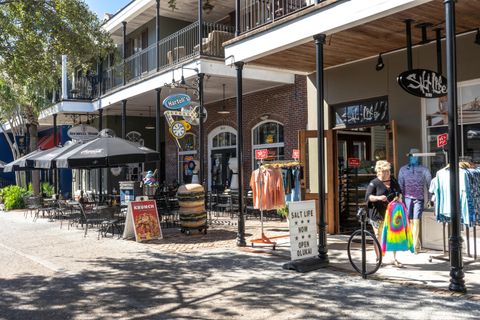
[256, 13]
[82, 88]
[174, 49]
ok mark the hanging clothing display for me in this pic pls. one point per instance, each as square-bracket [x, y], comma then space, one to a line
[291, 182]
[469, 186]
[267, 189]
[396, 235]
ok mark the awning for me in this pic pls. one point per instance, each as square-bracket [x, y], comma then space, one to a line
[47, 142]
[20, 163]
[47, 159]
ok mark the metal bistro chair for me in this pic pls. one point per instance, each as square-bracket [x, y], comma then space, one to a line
[33, 204]
[91, 219]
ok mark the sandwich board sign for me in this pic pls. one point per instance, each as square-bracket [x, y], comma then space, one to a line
[302, 222]
[142, 221]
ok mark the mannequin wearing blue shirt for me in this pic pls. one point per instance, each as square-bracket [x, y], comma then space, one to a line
[414, 179]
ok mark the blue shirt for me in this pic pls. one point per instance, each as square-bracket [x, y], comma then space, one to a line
[413, 180]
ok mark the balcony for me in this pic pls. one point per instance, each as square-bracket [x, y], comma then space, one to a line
[175, 49]
[257, 13]
[83, 88]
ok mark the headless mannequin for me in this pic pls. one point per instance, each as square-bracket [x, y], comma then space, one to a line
[413, 178]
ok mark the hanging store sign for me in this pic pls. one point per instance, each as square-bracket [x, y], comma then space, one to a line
[442, 140]
[177, 101]
[82, 132]
[303, 229]
[296, 154]
[361, 113]
[354, 162]
[423, 83]
[261, 154]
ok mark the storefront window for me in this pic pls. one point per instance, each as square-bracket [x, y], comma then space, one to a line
[468, 120]
[224, 139]
[188, 142]
[186, 156]
[269, 135]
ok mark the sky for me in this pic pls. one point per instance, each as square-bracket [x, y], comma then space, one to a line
[102, 6]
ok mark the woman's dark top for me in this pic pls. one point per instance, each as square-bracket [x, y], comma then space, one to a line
[377, 188]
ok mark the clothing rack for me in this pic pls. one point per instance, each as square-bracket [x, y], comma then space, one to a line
[465, 163]
[265, 165]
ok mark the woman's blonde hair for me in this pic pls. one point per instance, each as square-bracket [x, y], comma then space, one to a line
[382, 165]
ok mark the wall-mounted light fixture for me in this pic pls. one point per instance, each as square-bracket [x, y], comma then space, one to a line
[223, 110]
[380, 63]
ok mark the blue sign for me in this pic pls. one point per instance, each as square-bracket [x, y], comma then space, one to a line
[177, 101]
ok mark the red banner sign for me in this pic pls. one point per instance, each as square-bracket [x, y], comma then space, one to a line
[261, 154]
[296, 154]
[353, 162]
[442, 139]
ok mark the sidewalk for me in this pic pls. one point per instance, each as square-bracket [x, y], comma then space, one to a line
[222, 234]
[418, 271]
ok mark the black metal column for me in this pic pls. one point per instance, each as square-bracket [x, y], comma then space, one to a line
[55, 142]
[200, 130]
[157, 125]
[124, 53]
[241, 218]
[124, 119]
[455, 242]
[438, 41]
[237, 18]
[322, 230]
[408, 31]
[100, 128]
[200, 26]
[157, 31]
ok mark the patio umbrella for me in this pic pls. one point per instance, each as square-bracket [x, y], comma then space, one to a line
[106, 152]
[21, 163]
[47, 158]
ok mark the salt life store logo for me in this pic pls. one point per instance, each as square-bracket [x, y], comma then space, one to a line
[423, 83]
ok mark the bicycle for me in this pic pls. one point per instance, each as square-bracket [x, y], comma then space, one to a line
[364, 250]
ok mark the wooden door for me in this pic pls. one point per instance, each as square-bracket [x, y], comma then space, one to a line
[306, 138]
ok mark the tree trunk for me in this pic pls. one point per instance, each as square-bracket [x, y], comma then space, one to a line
[33, 146]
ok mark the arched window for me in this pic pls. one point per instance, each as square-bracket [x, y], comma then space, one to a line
[222, 143]
[268, 135]
[224, 140]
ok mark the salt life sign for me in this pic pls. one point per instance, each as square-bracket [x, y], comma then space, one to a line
[303, 229]
[423, 83]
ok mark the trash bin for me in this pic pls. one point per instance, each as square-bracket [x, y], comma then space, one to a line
[192, 213]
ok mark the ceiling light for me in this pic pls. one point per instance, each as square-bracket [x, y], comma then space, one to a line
[207, 7]
[223, 110]
[149, 126]
[380, 64]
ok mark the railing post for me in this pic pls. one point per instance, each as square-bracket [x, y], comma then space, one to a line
[124, 23]
[200, 27]
[157, 30]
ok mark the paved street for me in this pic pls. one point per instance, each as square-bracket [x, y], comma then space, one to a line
[53, 273]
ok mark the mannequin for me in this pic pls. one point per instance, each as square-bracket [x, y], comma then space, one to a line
[414, 179]
[232, 165]
[195, 170]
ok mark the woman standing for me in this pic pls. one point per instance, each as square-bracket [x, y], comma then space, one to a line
[381, 190]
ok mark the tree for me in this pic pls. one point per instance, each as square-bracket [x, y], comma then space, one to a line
[34, 34]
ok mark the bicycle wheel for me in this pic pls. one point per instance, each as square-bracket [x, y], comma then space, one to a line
[373, 258]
